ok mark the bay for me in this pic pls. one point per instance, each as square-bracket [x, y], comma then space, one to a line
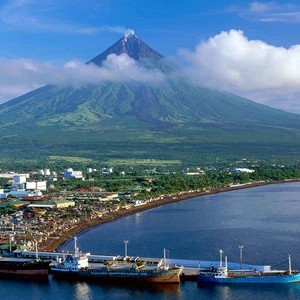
[265, 220]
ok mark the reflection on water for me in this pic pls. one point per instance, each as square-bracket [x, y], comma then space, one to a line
[82, 290]
[140, 287]
[249, 291]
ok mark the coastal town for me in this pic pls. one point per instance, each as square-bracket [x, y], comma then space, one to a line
[43, 206]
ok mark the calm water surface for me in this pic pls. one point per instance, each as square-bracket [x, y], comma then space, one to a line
[266, 220]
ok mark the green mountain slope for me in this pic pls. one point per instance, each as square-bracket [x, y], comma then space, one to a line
[132, 119]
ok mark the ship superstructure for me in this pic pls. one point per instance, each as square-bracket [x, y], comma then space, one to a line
[77, 266]
[223, 275]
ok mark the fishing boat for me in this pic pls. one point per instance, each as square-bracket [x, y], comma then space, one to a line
[221, 274]
[77, 267]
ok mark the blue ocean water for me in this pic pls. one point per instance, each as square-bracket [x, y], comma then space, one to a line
[266, 220]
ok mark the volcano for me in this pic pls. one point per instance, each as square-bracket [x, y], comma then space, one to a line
[130, 116]
[132, 46]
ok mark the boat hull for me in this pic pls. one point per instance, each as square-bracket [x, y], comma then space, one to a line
[171, 276]
[31, 270]
[258, 279]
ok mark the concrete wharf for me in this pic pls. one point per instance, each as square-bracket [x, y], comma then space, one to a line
[189, 273]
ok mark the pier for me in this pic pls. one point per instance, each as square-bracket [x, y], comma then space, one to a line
[189, 272]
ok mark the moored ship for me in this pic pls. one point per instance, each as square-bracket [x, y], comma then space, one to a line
[23, 268]
[77, 267]
[223, 275]
[19, 267]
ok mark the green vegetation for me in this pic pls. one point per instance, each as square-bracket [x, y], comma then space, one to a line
[161, 184]
[171, 122]
[71, 159]
[154, 162]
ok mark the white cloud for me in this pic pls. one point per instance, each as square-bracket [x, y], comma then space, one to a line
[23, 75]
[227, 61]
[252, 68]
[270, 12]
[259, 6]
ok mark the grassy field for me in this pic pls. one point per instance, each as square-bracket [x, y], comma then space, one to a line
[154, 162]
[70, 159]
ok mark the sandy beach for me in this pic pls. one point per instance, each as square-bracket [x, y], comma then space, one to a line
[53, 244]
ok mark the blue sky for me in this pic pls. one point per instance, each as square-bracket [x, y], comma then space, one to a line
[223, 44]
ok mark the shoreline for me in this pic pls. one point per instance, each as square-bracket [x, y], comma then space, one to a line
[53, 244]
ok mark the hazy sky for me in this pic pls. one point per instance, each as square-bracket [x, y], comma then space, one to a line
[251, 48]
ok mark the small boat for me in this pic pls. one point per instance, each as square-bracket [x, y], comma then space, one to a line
[223, 275]
[77, 267]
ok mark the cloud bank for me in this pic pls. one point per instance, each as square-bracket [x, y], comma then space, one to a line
[23, 75]
[231, 62]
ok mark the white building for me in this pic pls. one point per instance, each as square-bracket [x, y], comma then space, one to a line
[71, 174]
[243, 170]
[20, 178]
[36, 185]
[12, 174]
[41, 172]
[30, 185]
[41, 185]
[47, 172]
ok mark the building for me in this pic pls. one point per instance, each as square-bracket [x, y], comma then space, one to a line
[41, 172]
[71, 174]
[140, 188]
[15, 186]
[52, 203]
[20, 178]
[47, 172]
[12, 174]
[36, 185]
[16, 203]
[242, 170]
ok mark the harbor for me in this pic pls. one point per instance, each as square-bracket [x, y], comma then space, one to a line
[196, 235]
[189, 272]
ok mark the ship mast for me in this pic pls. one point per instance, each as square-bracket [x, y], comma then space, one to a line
[36, 251]
[290, 265]
[165, 260]
[76, 249]
[10, 238]
[221, 252]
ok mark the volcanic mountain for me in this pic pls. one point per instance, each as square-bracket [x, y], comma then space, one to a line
[127, 117]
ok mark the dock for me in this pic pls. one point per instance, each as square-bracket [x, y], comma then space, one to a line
[189, 273]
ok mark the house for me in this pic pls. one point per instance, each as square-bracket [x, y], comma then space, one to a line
[16, 203]
[140, 188]
[52, 203]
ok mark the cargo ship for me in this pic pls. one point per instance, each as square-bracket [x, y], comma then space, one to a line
[14, 266]
[23, 268]
[77, 267]
[223, 275]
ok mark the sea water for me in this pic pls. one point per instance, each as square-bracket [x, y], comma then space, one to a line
[265, 220]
